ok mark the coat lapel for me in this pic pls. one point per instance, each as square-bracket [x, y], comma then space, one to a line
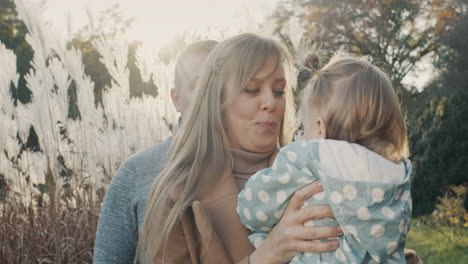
[220, 206]
[214, 217]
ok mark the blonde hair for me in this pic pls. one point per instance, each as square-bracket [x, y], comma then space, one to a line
[201, 141]
[359, 105]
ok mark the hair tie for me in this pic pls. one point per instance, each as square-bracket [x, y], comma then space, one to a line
[318, 73]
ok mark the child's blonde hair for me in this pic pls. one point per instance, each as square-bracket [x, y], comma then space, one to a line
[358, 104]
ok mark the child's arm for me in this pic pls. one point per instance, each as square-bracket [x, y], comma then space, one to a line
[267, 193]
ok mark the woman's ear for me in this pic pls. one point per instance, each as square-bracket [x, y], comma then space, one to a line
[175, 100]
[322, 128]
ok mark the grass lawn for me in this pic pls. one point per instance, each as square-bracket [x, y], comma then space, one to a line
[434, 248]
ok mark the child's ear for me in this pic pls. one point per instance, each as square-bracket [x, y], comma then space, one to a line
[322, 128]
[175, 100]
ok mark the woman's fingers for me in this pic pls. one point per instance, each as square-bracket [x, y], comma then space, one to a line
[301, 195]
[318, 232]
[317, 246]
[313, 212]
[290, 237]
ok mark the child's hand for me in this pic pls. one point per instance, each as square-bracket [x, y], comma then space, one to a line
[290, 237]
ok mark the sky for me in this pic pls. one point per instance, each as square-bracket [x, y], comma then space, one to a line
[158, 21]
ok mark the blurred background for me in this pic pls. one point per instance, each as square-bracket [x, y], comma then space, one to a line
[85, 84]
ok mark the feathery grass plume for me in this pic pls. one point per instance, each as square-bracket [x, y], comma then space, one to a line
[295, 31]
[57, 192]
[8, 77]
[13, 129]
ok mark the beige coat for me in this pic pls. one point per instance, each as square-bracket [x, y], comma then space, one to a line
[194, 239]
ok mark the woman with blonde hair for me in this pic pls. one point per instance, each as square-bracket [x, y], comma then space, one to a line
[241, 114]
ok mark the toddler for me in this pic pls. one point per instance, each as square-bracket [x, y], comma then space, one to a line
[355, 142]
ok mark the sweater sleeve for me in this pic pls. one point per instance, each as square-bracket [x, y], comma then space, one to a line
[117, 231]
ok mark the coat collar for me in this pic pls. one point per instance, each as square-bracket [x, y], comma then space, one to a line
[226, 184]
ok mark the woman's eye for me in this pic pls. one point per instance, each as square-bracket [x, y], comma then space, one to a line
[279, 92]
[251, 91]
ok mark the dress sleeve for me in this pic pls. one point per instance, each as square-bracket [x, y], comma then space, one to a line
[117, 230]
[267, 193]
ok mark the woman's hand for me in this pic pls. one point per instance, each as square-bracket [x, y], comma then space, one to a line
[290, 237]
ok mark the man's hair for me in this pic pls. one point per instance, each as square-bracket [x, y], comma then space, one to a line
[199, 49]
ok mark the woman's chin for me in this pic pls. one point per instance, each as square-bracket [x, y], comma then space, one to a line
[264, 146]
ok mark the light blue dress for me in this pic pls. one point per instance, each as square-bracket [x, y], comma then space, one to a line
[368, 194]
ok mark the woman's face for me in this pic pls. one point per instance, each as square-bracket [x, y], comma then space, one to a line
[253, 119]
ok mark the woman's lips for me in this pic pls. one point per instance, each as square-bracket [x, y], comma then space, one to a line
[268, 125]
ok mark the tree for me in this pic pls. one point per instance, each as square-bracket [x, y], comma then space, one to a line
[394, 33]
[397, 34]
[110, 22]
[438, 139]
[12, 34]
[439, 151]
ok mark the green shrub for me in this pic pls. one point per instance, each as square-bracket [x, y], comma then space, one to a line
[450, 217]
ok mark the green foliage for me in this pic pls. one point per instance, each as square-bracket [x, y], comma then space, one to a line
[439, 153]
[439, 127]
[138, 87]
[110, 22]
[91, 57]
[395, 33]
[4, 188]
[94, 68]
[450, 217]
[432, 247]
[12, 34]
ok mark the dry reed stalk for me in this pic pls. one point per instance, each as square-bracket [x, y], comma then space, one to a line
[31, 234]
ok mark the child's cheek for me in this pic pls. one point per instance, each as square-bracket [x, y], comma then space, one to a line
[308, 131]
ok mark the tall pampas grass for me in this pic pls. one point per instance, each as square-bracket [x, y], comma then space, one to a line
[50, 198]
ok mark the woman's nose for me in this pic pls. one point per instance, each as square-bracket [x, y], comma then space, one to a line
[267, 101]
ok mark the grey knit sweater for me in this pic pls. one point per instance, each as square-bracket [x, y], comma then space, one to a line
[124, 205]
